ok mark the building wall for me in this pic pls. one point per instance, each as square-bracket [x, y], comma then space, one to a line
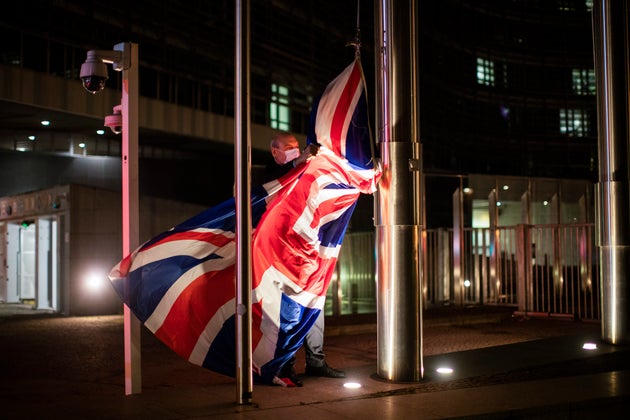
[90, 238]
[38, 89]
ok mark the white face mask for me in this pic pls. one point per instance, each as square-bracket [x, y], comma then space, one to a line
[290, 155]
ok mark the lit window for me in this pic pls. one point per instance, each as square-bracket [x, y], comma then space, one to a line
[485, 72]
[279, 115]
[574, 122]
[583, 81]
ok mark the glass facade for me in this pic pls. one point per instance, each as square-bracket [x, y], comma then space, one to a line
[511, 90]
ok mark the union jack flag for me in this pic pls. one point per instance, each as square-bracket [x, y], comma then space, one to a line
[181, 284]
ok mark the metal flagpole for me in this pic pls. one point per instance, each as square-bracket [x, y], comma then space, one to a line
[242, 163]
[611, 26]
[398, 210]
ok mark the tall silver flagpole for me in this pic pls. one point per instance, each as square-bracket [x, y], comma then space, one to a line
[611, 55]
[242, 165]
[398, 210]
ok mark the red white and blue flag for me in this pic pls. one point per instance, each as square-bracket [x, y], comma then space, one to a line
[339, 119]
[181, 284]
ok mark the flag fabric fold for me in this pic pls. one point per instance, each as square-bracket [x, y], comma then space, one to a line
[181, 283]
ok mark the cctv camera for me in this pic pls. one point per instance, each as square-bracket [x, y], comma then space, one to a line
[93, 74]
[114, 121]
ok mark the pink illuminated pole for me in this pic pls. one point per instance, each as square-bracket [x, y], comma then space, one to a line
[124, 58]
[130, 206]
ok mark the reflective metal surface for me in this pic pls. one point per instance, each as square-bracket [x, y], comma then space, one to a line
[610, 40]
[399, 355]
[242, 152]
[398, 213]
[614, 293]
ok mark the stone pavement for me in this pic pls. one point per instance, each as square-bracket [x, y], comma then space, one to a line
[504, 367]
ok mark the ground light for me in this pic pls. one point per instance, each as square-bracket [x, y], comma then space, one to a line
[444, 370]
[352, 385]
[589, 346]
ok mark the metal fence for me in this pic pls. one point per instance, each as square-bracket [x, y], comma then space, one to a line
[549, 270]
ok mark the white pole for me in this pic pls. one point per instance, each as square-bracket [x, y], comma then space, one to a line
[130, 206]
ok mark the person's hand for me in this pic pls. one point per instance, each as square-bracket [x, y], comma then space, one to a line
[311, 149]
[308, 152]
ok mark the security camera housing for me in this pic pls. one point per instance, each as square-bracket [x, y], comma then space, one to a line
[114, 121]
[94, 74]
[94, 71]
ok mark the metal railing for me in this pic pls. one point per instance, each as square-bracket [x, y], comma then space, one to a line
[549, 270]
[564, 275]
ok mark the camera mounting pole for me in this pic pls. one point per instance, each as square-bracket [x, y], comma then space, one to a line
[124, 58]
[113, 57]
[130, 202]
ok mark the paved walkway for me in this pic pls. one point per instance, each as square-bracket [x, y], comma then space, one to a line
[504, 367]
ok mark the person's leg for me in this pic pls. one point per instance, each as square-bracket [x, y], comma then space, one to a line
[288, 371]
[314, 351]
[314, 343]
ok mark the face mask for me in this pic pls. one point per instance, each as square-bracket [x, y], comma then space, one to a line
[290, 154]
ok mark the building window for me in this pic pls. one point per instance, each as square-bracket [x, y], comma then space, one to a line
[589, 5]
[574, 122]
[485, 72]
[279, 115]
[583, 81]
[504, 79]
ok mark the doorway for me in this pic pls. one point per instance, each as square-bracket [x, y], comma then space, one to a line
[30, 268]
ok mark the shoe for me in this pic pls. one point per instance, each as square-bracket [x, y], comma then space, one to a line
[325, 371]
[290, 377]
[288, 382]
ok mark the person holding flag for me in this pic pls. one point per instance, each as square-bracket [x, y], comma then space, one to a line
[285, 150]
